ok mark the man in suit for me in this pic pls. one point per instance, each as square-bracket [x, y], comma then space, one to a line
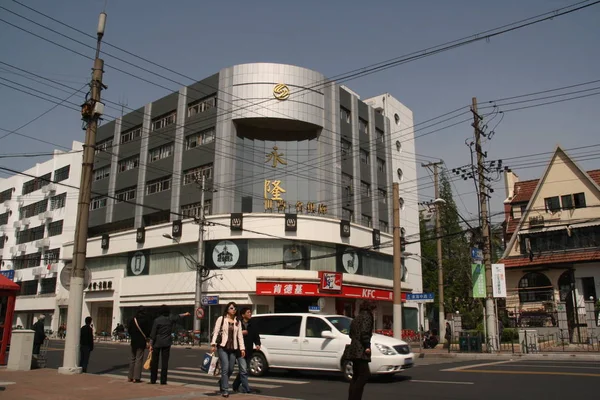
[251, 338]
[40, 334]
[86, 343]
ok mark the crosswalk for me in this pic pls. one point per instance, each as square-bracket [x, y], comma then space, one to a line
[195, 377]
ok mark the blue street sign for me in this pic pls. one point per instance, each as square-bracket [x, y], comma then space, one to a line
[209, 300]
[476, 254]
[314, 308]
[10, 274]
[420, 297]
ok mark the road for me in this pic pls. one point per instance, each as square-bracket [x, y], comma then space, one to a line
[431, 378]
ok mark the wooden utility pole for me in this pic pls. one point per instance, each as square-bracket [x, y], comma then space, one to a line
[485, 232]
[397, 307]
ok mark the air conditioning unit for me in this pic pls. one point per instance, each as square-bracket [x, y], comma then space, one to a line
[37, 271]
[23, 247]
[25, 222]
[53, 268]
[42, 243]
[7, 204]
[49, 188]
[17, 224]
[45, 215]
[3, 228]
[14, 249]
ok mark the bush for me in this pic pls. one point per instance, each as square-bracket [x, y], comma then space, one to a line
[510, 335]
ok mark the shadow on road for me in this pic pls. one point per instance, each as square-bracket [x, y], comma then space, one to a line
[112, 369]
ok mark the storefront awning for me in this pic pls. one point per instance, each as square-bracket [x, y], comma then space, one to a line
[7, 284]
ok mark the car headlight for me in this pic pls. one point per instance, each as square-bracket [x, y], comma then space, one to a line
[385, 350]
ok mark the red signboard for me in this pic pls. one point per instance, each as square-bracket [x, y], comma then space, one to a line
[312, 289]
[330, 281]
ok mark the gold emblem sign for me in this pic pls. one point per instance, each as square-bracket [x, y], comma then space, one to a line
[281, 92]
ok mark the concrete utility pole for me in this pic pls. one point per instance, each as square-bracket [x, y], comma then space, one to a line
[200, 266]
[91, 112]
[487, 260]
[438, 234]
[397, 308]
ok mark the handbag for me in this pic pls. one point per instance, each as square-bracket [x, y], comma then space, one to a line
[148, 361]
[220, 334]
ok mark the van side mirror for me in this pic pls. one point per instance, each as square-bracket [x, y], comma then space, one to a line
[328, 335]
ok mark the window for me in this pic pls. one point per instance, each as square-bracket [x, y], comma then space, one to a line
[278, 325]
[164, 121]
[382, 195]
[58, 201]
[560, 240]
[36, 183]
[345, 115]
[55, 228]
[28, 261]
[384, 226]
[347, 215]
[194, 175]
[364, 156]
[101, 173]
[4, 218]
[158, 185]
[48, 285]
[534, 287]
[6, 195]
[193, 210]
[365, 189]
[29, 288]
[33, 209]
[97, 202]
[29, 235]
[347, 184]
[366, 220]
[125, 195]
[380, 135]
[131, 135]
[579, 200]
[200, 138]
[158, 153]
[129, 163]
[552, 204]
[380, 165]
[103, 146]
[314, 327]
[363, 126]
[567, 202]
[62, 174]
[51, 256]
[346, 147]
[202, 105]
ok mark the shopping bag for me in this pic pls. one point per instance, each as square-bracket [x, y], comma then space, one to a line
[209, 363]
[148, 361]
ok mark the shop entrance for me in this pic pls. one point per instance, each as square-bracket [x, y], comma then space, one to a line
[291, 304]
[103, 322]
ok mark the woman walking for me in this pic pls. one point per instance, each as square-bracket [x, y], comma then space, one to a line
[139, 330]
[359, 350]
[228, 341]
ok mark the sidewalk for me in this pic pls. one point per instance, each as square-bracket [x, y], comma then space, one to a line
[48, 384]
[440, 352]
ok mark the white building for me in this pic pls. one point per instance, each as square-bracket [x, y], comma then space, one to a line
[38, 216]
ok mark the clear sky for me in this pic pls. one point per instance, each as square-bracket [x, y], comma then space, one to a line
[198, 38]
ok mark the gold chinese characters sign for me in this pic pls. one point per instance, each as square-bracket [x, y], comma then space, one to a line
[275, 158]
[281, 92]
[273, 190]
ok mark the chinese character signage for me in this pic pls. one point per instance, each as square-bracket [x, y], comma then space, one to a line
[499, 280]
[9, 273]
[139, 263]
[226, 254]
[420, 297]
[478, 278]
[236, 222]
[273, 196]
[275, 157]
[330, 281]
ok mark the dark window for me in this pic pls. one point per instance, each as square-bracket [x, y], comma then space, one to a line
[33, 209]
[51, 256]
[28, 288]
[579, 200]
[55, 228]
[62, 174]
[278, 326]
[314, 327]
[560, 240]
[346, 147]
[4, 218]
[589, 289]
[27, 261]
[552, 204]
[48, 285]
[6, 195]
[534, 287]
[567, 202]
[58, 201]
[345, 115]
[347, 215]
[29, 235]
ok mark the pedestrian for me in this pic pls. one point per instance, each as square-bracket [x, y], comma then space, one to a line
[40, 334]
[359, 351]
[227, 339]
[251, 338]
[139, 329]
[86, 343]
[448, 335]
[161, 341]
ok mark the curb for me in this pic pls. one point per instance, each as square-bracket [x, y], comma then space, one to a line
[485, 356]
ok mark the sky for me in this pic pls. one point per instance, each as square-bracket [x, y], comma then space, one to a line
[198, 38]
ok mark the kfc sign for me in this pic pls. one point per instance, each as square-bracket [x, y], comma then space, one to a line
[330, 281]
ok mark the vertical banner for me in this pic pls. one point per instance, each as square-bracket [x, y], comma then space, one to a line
[499, 280]
[478, 276]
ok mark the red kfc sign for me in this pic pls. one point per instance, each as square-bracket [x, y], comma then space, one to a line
[330, 281]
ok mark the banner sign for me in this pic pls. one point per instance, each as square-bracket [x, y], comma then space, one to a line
[499, 280]
[478, 278]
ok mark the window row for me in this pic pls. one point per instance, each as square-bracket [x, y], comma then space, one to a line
[36, 183]
[158, 153]
[33, 209]
[202, 105]
[29, 235]
[128, 163]
[200, 138]
[103, 146]
[195, 174]
[560, 240]
[58, 201]
[62, 174]
[566, 202]
[164, 121]
[131, 135]
[193, 210]
[102, 173]
[6, 195]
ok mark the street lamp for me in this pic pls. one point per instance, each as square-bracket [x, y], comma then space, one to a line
[167, 236]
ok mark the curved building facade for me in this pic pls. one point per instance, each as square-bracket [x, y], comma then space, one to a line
[297, 174]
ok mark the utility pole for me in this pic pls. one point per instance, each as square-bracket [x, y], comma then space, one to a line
[397, 308]
[438, 234]
[200, 266]
[91, 111]
[485, 231]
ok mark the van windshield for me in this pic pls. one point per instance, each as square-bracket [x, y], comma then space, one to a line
[342, 324]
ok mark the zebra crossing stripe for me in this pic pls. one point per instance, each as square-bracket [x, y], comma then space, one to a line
[195, 378]
[251, 378]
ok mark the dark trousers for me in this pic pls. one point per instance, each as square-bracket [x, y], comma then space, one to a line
[360, 376]
[36, 348]
[84, 353]
[160, 352]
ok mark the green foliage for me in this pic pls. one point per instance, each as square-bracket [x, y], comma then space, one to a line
[510, 335]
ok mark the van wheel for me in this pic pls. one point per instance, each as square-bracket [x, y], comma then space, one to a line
[258, 365]
[347, 370]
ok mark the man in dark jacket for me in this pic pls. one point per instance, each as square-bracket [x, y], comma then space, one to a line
[40, 334]
[251, 338]
[161, 341]
[86, 343]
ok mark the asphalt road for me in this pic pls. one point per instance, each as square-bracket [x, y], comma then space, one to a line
[431, 378]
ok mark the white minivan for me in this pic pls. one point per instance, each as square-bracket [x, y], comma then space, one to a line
[316, 342]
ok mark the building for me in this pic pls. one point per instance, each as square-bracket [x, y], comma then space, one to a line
[552, 255]
[298, 174]
[38, 216]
